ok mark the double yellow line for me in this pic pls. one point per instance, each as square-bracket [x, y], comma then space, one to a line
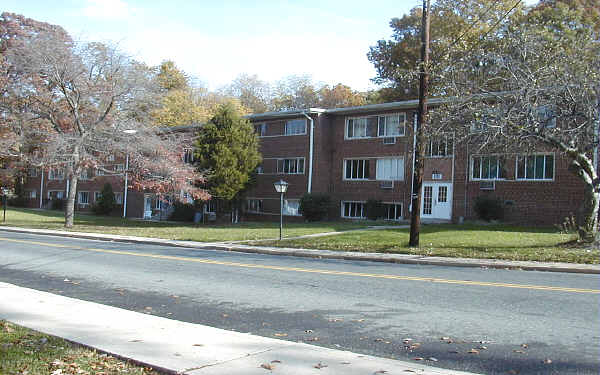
[316, 271]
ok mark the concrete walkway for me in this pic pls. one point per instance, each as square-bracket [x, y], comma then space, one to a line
[185, 348]
[327, 254]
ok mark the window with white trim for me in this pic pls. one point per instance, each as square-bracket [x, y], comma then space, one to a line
[119, 167]
[83, 197]
[295, 127]
[210, 207]
[290, 207]
[290, 166]
[119, 198]
[32, 172]
[390, 169]
[488, 167]
[100, 172]
[31, 194]
[56, 174]
[361, 127]
[55, 194]
[439, 147]
[356, 169]
[393, 211]
[391, 125]
[188, 155]
[260, 129]
[97, 196]
[353, 210]
[535, 167]
[255, 205]
[85, 174]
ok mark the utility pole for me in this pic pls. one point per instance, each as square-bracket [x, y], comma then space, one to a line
[419, 154]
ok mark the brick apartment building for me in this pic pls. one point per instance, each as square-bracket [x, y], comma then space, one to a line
[360, 153]
[355, 154]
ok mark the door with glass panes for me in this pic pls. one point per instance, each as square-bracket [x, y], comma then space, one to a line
[436, 201]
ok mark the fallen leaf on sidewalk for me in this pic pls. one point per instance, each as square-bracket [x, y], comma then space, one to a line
[320, 365]
[225, 315]
[268, 366]
[310, 339]
[432, 359]
[418, 358]
[344, 363]
[519, 351]
[275, 361]
[547, 361]
[198, 345]
[281, 334]
[525, 346]
[380, 372]
[136, 340]
[473, 351]
[445, 338]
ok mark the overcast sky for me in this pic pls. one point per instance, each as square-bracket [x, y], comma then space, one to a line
[215, 41]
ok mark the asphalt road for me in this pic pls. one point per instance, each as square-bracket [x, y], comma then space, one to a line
[480, 320]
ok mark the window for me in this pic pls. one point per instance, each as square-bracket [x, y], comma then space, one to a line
[535, 167]
[393, 211]
[54, 194]
[442, 194]
[119, 198]
[488, 167]
[353, 210]
[362, 127]
[391, 125]
[97, 196]
[83, 197]
[157, 203]
[290, 207]
[56, 174]
[32, 172]
[290, 166]
[260, 169]
[255, 205]
[390, 169]
[427, 199]
[439, 147]
[188, 155]
[110, 157]
[356, 169]
[297, 126]
[546, 116]
[119, 167]
[100, 172]
[85, 174]
[210, 206]
[260, 129]
[31, 194]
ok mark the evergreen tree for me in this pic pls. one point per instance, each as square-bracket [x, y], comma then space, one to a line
[227, 149]
[106, 203]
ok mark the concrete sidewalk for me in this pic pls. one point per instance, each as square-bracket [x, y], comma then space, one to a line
[327, 254]
[185, 348]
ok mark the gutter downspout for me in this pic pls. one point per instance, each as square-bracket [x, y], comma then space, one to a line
[42, 189]
[413, 157]
[310, 150]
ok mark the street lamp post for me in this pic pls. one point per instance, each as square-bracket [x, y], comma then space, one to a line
[128, 132]
[281, 187]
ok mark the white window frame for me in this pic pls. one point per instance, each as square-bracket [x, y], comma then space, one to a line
[524, 156]
[32, 172]
[61, 192]
[383, 119]
[254, 205]
[85, 174]
[395, 204]
[100, 172]
[263, 129]
[290, 125]
[210, 207]
[498, 169]
[295, 211]
[365, 161]
[79, 195]
[299, 161]
[399, 164]
[56, 174]
[119, 168]
[380, 122]
[434, 144]
[362, 209]
[31, 194]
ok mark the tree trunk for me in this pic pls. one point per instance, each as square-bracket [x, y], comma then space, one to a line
[588, 231]
[70, 208]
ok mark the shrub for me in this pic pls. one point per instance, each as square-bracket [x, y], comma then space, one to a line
[18, 201]
[314, 207]
[106, 203]
[183, 212]
[374, 209]
[489, 208]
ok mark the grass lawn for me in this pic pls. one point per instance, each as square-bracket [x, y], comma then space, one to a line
[23, 351]
[467, 241]
[46, 219]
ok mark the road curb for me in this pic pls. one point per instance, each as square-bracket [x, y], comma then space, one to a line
[328, 254]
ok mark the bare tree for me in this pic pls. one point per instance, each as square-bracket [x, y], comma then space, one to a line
[549, 70]
[67, 105]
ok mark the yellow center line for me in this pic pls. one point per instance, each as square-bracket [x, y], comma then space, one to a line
[317, 271]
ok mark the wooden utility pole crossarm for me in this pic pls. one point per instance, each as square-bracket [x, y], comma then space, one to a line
[419, 154]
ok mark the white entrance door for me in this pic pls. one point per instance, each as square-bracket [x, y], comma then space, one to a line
[436, 202]
[147, 206]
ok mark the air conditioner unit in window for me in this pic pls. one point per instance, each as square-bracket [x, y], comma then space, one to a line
[487, 185]
[389, 140]
[386, 184]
